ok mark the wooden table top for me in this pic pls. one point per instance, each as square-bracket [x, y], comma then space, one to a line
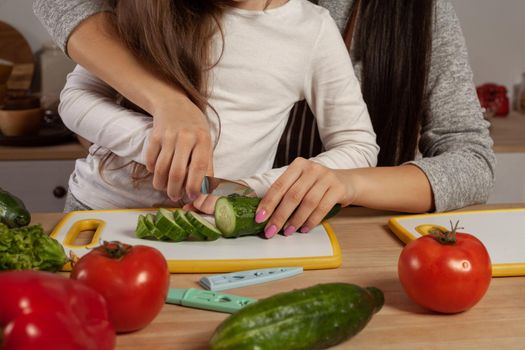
[370, 252]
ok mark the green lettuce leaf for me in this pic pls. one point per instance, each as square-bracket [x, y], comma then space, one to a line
[29, 248]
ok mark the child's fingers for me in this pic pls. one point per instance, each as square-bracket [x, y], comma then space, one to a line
[308, 206]
[291, 200]
[162, 166]
[275, 194]
[179, 166]
[153, 151]
[326, 204]
[199, 165]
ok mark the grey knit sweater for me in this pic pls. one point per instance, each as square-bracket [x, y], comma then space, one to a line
[455, 146]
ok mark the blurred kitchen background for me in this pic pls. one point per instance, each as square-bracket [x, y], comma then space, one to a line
[37, 154]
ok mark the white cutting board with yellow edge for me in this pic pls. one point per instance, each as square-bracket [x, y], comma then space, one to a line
[318, 249]
[502, 231]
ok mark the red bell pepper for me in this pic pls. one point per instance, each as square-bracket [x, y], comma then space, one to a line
[44, 311]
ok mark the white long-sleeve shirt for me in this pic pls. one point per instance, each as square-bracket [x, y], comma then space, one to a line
[271, 60]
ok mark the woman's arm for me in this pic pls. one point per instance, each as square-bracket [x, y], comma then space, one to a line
[85, 27]
[458, 159]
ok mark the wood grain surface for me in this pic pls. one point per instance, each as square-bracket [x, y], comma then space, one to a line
[370, 253]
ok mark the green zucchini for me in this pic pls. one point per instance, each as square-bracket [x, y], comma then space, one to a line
[235, 216]
[166, 224]
[203, 226]
[313, 318]
[13, 212]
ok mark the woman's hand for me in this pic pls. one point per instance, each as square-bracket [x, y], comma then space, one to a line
[301, 197]
[179, 152]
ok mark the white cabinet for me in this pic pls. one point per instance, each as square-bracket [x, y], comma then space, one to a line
[510, 178]
[40, 184]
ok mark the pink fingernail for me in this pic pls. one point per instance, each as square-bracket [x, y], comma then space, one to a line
[305, 229]
[260, 216]
[270, 231]
[289, 230]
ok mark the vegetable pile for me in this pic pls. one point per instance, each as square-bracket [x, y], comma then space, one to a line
[234, 217]
[29, 248]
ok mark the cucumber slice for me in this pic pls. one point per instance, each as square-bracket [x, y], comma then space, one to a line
[180, 218]
[142, 230]
[149, 221]
[235, 216]
[166, 224]
[203, 226]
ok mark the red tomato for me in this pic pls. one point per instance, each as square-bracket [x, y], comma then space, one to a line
[446, 273]
[134, 280]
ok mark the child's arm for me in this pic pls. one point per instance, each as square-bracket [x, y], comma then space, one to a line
[333, 93]
[88, 108]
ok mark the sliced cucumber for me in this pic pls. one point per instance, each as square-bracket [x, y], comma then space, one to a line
[166, 224]
[235, 216]
[203, 226]
[142, 230]
[149, 221]
[180, 218]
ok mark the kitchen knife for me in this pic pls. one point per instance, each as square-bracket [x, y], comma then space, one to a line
[224, 187]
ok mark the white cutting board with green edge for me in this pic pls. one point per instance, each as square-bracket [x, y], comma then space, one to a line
[319, 249]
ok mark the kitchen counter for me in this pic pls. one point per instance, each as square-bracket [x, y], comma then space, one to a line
[370, 252]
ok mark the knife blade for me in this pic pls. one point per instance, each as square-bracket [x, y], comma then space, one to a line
[224, 187]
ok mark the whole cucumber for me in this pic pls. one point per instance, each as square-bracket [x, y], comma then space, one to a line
[13, 212]
[317, 317]
[235, 216]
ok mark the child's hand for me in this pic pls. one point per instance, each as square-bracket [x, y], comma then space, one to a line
[179, 150]
[301, 197]
[205, 203]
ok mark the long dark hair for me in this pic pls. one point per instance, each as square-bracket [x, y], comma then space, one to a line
[393, 40]
[174, 39]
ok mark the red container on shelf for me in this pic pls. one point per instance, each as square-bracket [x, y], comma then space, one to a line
[494, 99]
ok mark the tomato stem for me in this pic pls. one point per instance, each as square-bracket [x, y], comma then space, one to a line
[445, 236]
[115, 249]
